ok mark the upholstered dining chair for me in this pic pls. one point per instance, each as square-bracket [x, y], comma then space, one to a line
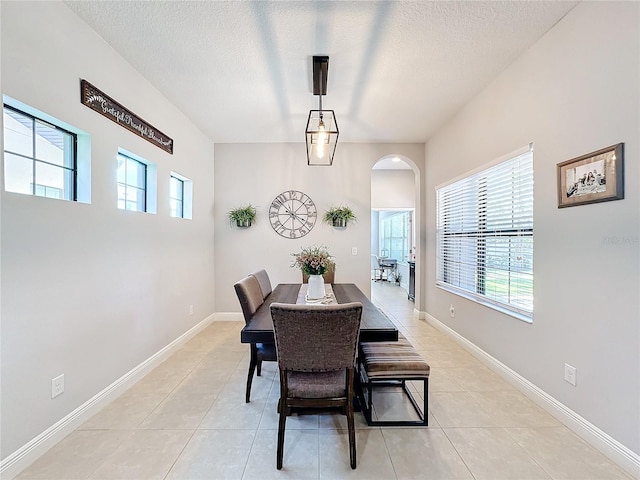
[316, 346]
[250, 297]
[263, 280]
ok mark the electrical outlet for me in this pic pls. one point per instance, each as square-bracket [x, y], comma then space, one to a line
[354, 250]
[57, 386]
[570, 374]
[452, 311]
[190, 309]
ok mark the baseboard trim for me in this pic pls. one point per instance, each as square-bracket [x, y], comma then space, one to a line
[32, 450]
[228, 317]
[610, 447]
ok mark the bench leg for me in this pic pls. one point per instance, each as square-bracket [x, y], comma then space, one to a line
[367, 407]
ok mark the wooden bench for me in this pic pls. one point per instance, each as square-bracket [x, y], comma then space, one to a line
[392, 364]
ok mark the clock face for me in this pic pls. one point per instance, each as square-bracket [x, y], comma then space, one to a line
[292, 214]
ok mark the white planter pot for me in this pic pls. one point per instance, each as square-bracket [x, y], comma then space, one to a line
[316, 287]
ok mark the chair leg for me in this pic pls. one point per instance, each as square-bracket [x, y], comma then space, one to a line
[281, 428]
[259, 368]
[375, 275]
[352, 437]
[350, 421]
[252, 367]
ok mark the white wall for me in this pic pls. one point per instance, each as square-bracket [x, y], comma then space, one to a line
[393, 189]
[257, 173]
[575, 91]
[90, 291]
[390, 189]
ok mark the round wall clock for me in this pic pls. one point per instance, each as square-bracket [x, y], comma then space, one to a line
[292, 214]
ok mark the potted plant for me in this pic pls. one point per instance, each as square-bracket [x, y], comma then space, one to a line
[339, 216]
[243, 216]
[315, 262]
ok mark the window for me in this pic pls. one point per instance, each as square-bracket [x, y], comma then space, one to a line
[180, 196]
[50, 192]
[485, 235]
[132, 184]
[39, 157]
[176, 196]
[396, 234]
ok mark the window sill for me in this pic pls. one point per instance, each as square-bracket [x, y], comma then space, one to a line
[512, 313]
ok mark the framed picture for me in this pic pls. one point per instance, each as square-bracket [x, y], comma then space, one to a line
[594, 177]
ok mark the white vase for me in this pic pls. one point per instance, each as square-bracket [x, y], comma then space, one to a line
[316, 287]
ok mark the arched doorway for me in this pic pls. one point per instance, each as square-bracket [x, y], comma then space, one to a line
[395, 219]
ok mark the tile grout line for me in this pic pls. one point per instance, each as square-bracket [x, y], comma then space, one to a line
[184, 447]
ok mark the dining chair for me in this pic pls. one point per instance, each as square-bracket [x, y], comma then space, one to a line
[263, 280]
[250, 297]
[375, 267]
[316, 346]
[329, 276]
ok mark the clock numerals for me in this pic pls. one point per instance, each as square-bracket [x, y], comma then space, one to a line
[281, 199]
[292, 214]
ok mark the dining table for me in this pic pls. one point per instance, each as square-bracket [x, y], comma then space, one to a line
[375, 326]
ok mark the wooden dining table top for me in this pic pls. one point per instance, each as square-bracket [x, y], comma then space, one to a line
[375, 326]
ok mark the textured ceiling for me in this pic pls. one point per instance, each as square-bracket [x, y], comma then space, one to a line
[241, 70]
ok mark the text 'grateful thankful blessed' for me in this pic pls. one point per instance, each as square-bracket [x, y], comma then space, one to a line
[105, 105]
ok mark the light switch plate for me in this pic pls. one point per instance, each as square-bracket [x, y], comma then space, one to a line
[57, 386]
[570, 374]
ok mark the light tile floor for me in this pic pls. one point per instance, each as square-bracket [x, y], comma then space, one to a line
[187, 420]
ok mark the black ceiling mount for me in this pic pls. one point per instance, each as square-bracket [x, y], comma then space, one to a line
[320, 71]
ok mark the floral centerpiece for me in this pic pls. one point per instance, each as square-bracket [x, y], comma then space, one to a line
[313, 260]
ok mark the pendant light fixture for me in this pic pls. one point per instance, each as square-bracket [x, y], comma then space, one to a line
[322, 128]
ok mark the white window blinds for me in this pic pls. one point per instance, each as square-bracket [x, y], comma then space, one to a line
[485, 234]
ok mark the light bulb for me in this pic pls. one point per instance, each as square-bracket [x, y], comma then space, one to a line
[322, 138]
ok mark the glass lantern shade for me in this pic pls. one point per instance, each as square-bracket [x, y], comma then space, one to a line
[322, 137]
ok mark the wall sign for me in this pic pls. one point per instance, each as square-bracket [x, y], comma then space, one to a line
[105, 105]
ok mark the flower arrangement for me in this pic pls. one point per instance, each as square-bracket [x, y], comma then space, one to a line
[313, 260]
